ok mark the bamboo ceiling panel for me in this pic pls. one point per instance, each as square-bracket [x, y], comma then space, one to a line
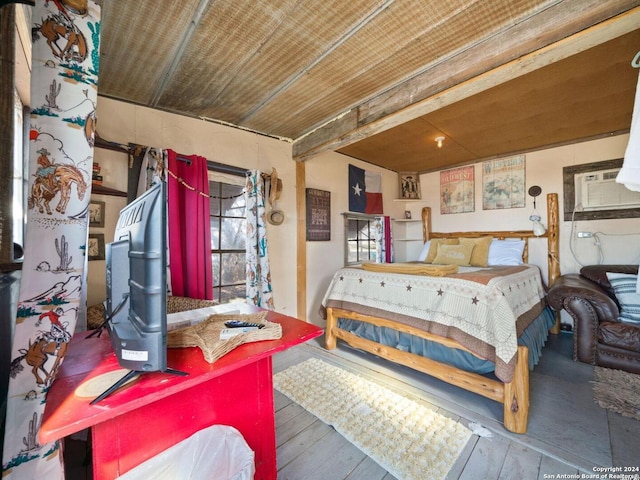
[259, 69]
[393, 46]
[287, 67]
[138, 44]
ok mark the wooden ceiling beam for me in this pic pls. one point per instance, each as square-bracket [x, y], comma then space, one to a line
[562, 30]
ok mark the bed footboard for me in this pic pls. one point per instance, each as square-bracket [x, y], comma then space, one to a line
[513, 395]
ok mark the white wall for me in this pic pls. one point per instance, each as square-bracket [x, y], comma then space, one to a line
[122, 122]
[620, 238]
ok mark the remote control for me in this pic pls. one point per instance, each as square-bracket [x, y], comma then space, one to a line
[240, 324]
[228, 333]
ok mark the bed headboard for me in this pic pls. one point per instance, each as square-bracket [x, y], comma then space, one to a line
[552, 235]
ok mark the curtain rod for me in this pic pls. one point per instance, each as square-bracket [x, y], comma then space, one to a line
[222, 168]
[218, 167]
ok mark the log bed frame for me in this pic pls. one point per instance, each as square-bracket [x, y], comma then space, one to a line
[513, 395]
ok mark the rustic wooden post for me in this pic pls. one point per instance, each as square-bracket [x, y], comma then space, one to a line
[7, 87]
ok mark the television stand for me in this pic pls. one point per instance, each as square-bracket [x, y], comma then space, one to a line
[131, 374]
[236, 390]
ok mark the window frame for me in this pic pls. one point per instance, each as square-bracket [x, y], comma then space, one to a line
[223, 176]
[347, 216]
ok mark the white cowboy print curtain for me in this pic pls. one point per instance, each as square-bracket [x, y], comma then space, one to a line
[63, 101]
[259, 291]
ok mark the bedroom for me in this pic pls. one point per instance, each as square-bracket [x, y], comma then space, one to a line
[298, 293]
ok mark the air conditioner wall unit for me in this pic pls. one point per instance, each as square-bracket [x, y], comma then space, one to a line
[599, 191]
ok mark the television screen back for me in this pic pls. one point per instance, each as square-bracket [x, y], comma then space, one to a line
[137, 283]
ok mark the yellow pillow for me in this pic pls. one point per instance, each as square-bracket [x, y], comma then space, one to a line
[480, 253]
[454, 254]
[433, 249]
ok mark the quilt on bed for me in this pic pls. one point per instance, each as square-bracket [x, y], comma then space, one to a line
[484, 309]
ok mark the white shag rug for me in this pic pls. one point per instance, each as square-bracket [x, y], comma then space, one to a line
[407, 439]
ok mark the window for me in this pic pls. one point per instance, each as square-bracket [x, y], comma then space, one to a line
[228, 223]
[360, 239]
[20, 179]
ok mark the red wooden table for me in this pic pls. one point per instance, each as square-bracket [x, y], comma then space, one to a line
[159, 410]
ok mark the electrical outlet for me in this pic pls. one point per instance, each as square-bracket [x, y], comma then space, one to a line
[585, 234]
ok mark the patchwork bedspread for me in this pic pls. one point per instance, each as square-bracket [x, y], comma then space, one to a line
[484, 309]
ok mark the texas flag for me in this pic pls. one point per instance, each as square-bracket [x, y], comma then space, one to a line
[365, 191]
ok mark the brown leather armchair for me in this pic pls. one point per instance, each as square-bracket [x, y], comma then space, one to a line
[599, 337]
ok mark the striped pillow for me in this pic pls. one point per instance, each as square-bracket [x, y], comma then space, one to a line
[624, 286]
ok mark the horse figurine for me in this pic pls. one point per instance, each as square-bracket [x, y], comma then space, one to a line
[37, 354]
[43, 191]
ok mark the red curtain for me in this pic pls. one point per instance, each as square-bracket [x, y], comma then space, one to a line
[189, 227]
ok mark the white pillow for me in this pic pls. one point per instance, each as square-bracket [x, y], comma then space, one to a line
[505, 252]
[424, 252]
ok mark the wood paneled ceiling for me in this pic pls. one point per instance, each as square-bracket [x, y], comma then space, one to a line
[378, 80]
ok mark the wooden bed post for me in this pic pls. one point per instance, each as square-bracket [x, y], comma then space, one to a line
[330, 338]
[516, 394]
[426, 224]
[553, 248]
[553, 237]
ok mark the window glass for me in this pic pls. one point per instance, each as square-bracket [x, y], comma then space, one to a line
[233, 233]
[228, 225]
[360, 242]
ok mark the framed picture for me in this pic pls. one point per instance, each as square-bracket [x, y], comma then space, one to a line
[409, 185]
[95, 246]
[457, 187]
[503, 184]
[96, 213]
[407, 214]
[318, 215]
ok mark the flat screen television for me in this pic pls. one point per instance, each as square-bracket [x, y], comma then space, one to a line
[136, 277]
[136, 263]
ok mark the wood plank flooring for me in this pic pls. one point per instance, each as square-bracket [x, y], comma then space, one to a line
[568, 433]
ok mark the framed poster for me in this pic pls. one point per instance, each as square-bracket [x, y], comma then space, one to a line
[503, 183]
[409, 185]
[457, 188]
[95, 246]
[318, 215]
[96, 213]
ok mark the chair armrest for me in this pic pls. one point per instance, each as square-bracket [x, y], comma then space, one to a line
[574, 292]
[589, 305]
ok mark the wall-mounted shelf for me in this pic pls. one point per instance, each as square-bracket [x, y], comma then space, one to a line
[115, 147]
[102, 190]
[107, 145]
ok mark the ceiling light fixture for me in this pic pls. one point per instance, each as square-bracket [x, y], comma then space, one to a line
[439, 141]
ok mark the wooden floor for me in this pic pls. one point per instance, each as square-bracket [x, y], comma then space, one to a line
[568, 433]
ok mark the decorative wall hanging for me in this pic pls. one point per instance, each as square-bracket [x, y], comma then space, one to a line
[365, 191]
[64, 79]
[503, 183]
[95, 246]
[457, 188]
[96, 213]
[318, 215]
[275, 216]
[409, 185]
